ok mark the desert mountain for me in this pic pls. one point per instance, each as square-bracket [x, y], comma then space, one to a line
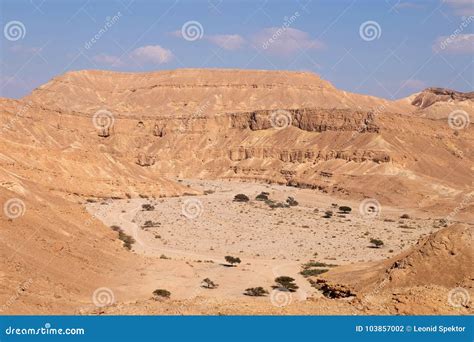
[99, 135]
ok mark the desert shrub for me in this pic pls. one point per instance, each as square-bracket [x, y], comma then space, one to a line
[115, 228]
[128, 241]
[161, 293]
[148, 224]
[377, 243]
[328, 214]
[147, 207]
[317, 264]
[405, 216]
[209, 284]
[263, 196]
[275, 205]
[286, 283]
[291, 201]
[232, 260]
[311, 272]
[255, 291]
[241, 198]
[345, 209]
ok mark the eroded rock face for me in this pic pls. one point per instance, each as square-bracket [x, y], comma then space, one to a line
[430, 96]
[333, 291]
[145, 160]
[311, 120]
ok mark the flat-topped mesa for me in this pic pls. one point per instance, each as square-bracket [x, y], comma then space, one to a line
[206, 91]
[429, 96]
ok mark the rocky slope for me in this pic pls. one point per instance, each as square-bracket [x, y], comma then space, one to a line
[97, 134]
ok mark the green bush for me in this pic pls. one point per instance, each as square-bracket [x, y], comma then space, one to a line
[376, 242]
[241, 198]
[161, 293]
[345, 209]
[232, 260]
[209, 284]
[263, 196]
[291, 201]
[255, 291]
[286, 283]
[147, 207]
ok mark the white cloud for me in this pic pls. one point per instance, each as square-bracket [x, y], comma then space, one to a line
[227, 41]
[108, 59]
[284, 41]
[461, 7]
[152, 54]
[461, 43]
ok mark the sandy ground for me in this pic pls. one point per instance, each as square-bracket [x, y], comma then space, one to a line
[191, 235]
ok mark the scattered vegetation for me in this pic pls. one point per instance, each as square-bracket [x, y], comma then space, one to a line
[312, 272]
[263, 196]
[315, 268]
[241, 198]
[345, 209]
[328, 214]
[255, 292]
[127, 240]
[209, 284]
[232, 260]
[377, 243]
[147, 207]
[150, 224]
[161, 293]
[286, 283]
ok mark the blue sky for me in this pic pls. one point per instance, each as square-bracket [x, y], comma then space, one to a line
[386, 48]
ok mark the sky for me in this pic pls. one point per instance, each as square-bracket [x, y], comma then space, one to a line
[385, 48]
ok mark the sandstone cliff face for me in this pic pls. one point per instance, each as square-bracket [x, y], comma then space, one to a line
[430, 96]
[311, 119]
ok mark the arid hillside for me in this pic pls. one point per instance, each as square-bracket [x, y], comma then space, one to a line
[98, 136]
